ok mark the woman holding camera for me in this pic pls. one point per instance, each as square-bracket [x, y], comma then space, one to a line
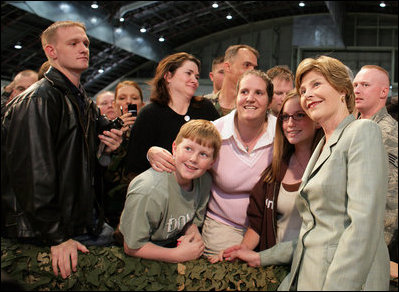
[127, 94]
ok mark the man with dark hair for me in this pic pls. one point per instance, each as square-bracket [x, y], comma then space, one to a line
[216, 75]
[51, 151]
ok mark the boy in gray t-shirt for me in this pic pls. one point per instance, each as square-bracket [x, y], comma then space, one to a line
[164, 208]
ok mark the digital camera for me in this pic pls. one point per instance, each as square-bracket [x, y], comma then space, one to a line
[104, 124]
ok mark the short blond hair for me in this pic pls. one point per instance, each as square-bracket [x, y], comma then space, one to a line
[202, 132]
[280, 71]
[48, 35]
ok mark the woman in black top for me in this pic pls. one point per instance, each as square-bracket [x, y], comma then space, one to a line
[172, 104]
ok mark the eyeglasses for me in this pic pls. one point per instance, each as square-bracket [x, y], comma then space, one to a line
[296, 117]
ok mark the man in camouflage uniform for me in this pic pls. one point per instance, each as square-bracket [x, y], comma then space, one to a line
[371, 86]
[237, 60]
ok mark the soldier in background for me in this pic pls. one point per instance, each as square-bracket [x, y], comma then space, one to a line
[216, 75]
[371, 85]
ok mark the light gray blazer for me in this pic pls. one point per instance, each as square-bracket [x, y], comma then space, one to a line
[342, 203]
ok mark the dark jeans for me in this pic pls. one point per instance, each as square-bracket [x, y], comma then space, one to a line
[105, 238]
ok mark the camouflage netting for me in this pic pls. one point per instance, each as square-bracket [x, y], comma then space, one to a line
[108, 268]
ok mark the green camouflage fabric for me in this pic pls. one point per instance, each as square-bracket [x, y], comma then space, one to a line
[215, 100]
[389, 128]
[109, 269]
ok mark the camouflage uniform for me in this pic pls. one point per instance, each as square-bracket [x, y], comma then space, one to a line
[214, 98]
[389, 128]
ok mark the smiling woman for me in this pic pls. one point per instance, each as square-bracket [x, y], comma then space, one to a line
[247, 135]
[173, 104]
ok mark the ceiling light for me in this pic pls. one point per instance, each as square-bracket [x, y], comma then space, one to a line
[301, 4]
[161, 39]
[121, 19]
[101, 70]
[118, 30]
[94, 5]
[215, 5]
[143, 29]
[18, 46]
[229, 16]
[382, 4]
[65, 7]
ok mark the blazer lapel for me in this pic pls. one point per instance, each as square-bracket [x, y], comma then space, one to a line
[318, 159]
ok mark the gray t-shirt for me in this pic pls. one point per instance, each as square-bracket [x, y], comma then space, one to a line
[157, 209]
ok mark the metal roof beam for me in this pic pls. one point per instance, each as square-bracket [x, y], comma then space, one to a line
[97, 26]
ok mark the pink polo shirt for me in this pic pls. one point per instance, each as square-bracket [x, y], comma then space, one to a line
[236, 172]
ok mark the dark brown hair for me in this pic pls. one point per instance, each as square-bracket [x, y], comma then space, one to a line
[159, 87]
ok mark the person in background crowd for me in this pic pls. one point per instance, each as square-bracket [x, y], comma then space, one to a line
[371, 85]
[20, 83]
[272, 214]
[283, 81]
[116, 177]
[105, 102]
[237, 60]
[51, 154]
[342, 196]
[216, 76]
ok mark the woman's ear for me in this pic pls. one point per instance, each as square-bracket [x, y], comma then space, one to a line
[168, 76]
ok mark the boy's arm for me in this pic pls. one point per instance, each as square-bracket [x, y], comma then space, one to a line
[189, 249]
[193, 229]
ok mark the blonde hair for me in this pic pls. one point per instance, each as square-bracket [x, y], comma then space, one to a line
[202, 132]
[334, 71]
[48, 35]
[280, 71]
[128, 83]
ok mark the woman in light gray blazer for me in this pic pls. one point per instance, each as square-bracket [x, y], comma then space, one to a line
[342, 196]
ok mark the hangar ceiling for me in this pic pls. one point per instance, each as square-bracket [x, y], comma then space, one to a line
[119, 47]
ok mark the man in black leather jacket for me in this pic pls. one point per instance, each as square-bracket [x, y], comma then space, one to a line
[50, 171]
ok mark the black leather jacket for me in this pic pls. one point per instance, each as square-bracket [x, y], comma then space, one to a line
[49, 168]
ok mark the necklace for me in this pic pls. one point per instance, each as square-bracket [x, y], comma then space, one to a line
[253, 140]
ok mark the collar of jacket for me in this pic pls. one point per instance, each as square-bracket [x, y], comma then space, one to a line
[58, 79]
